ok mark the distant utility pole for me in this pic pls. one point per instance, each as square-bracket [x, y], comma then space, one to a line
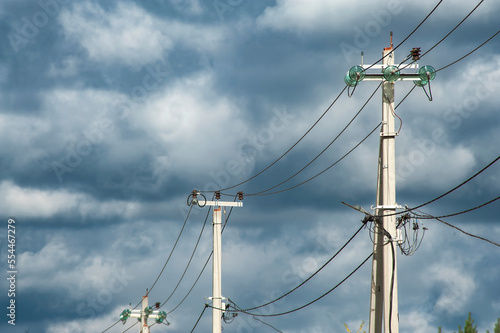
[143, 315]
[384, 284]
[216, 258]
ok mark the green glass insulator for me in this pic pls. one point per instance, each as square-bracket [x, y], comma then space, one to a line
[427, 73]
[125, 314]
[391, 73]
[161, 317]
[420, 83]
[148, 310]
[348, 81]
[357, 73]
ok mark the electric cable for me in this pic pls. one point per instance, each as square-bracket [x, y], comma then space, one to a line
[447, 192]
[260, 193]
[328, 168]
[196, 324]
[452, 30]
[310, 277]
[190, 259]
[130, 327]
[311, 302]
[393, 111]
[409, 225]
[289, 149]
[428, 216]
[254, 317]
[458, 186]
[468, 54]
[404, 40]
[171, 252]
[194, 284]
[325, 149]
[392, 284]
[161, 272]
[468, 210]
[448, 34]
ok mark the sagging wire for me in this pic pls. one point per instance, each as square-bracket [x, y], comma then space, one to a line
[325, 149]
[238, 309]
[201, 315]
[428, 216]
[394, 113]
[412, 232]
[227, 316]
[411, 33]
[358, 75]
[307, 304]
[429, 95]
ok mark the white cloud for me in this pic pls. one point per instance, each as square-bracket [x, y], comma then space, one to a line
[318, 15]
[191, 7]
[428, 164]
[128, 35]
[131, 36]
[21, 202]
[193, 124]
[307, 16]
[416, 322]
[457, 287]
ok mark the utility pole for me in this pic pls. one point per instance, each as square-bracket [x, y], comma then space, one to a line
[217, 254]
[143, 314]
[384, 283]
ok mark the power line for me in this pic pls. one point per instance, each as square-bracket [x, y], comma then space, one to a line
[329, 167]
[452, 30]
[196, 324]
[289, 149]
[428, 216]
[172, 251]
[130, 327]
[448, 34]
[468, 54]
[468, 210]
[404, 40]
[261, 193]
[269, 166]
[447, 192]
[161, 272]
[326, 148]
[190, 259]
[313, 301]
[310, 277]
[203, 269]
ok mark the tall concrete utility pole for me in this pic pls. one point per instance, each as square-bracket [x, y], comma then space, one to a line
[384, 283]
[216, 298]
[386, 204]
[217, 263]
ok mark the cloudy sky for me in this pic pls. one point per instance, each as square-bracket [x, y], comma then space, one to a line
[112, 112]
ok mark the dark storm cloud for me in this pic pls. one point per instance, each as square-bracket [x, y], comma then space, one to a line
[113, 112]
